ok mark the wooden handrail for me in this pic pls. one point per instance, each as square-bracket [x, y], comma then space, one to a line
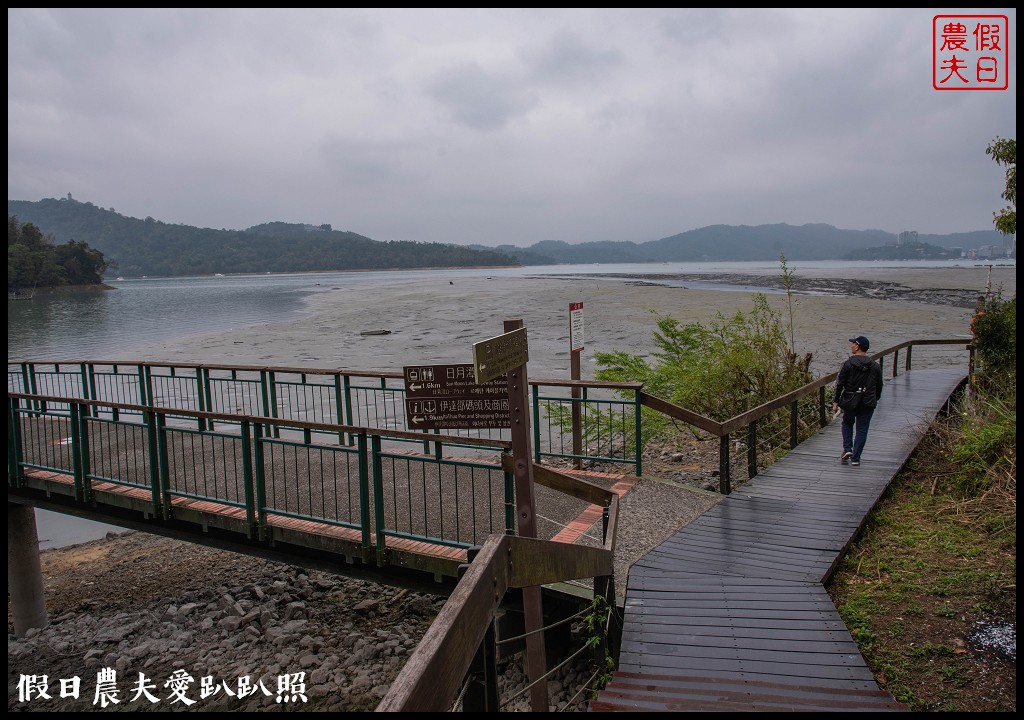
[567, 484]
[680, 413]
[719, 429]
[431, 679]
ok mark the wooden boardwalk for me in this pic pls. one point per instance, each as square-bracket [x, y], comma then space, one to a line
[730, 613]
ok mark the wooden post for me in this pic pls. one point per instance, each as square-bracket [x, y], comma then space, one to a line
[526, 523]
[24, 570]
[577, 425]
[724, 484]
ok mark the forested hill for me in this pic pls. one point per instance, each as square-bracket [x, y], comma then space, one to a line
[725, 243]
[134, 247]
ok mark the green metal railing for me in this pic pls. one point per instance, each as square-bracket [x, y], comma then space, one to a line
[578, 421]
[589, 427]
[268, 467]
[332, 397]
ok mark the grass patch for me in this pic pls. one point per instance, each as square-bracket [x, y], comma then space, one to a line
[936, 563]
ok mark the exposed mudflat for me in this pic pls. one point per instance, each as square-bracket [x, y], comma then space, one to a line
[142, 604]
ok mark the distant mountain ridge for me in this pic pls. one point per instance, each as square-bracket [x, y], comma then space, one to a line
[155, 248]
[725, 243]
[149, 247]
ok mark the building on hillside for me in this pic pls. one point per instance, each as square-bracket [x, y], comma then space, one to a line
[907, 237]
[1010, 245]
[987, 252]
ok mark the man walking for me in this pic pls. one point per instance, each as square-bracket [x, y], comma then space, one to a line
[858, 388]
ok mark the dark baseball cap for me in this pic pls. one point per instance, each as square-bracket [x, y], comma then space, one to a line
[862, 341]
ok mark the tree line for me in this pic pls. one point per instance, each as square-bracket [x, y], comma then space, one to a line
[149, 247]
[36, 260]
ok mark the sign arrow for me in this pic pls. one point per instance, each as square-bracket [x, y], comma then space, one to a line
[447, 396]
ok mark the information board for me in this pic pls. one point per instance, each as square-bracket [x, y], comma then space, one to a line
[498, 355]
[575, 327]
[448, 397]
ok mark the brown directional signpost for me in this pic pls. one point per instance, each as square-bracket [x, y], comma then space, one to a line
[507, 355]
[448, 396]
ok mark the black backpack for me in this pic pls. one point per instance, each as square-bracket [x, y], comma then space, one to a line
[859, 390]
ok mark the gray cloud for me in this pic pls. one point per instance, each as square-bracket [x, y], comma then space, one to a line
[478, 99]
[502, 125]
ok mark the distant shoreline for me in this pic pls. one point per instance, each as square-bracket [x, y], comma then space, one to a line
[62, 289]
[318, 272]
[870, 267]
[854, 287]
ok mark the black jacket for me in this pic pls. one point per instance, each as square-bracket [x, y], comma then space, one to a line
[852, 373]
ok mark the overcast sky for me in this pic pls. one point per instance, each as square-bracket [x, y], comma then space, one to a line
[500, 126]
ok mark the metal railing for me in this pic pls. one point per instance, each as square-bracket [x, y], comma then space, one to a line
[802, 412]
[334, 397]
[265, 466]
[248, 464]
[580, 421]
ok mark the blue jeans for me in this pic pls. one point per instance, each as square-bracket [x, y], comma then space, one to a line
[862, 420]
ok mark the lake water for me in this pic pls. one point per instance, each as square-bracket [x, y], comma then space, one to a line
[110, 325]
[115, 325]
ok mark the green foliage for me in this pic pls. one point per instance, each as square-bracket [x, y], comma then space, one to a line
[150, 247]
[986, 448]
[35, 261]
[1004, 152]
[721, 369]
[995, 341]
[597, 621]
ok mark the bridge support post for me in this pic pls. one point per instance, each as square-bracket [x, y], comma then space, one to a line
[24, 570]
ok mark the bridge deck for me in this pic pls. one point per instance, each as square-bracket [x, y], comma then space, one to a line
[297, 533]
[730, 614]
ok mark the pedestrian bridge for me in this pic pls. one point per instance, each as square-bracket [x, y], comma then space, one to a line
[316, 464]
[301, 463]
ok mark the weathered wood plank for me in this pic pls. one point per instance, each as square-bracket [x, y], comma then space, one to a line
[729, 613]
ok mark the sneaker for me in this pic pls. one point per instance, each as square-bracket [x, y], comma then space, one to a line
[855, 462]
[845, 458]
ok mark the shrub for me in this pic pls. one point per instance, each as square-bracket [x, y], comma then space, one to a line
[995, 341]
[719, 370]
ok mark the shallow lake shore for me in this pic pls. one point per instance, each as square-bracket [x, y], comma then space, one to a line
[438, 322]
[139, 603]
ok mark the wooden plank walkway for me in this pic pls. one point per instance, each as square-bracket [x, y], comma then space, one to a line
[730, 613]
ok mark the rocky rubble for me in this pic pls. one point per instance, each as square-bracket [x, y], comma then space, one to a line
[282, 638]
